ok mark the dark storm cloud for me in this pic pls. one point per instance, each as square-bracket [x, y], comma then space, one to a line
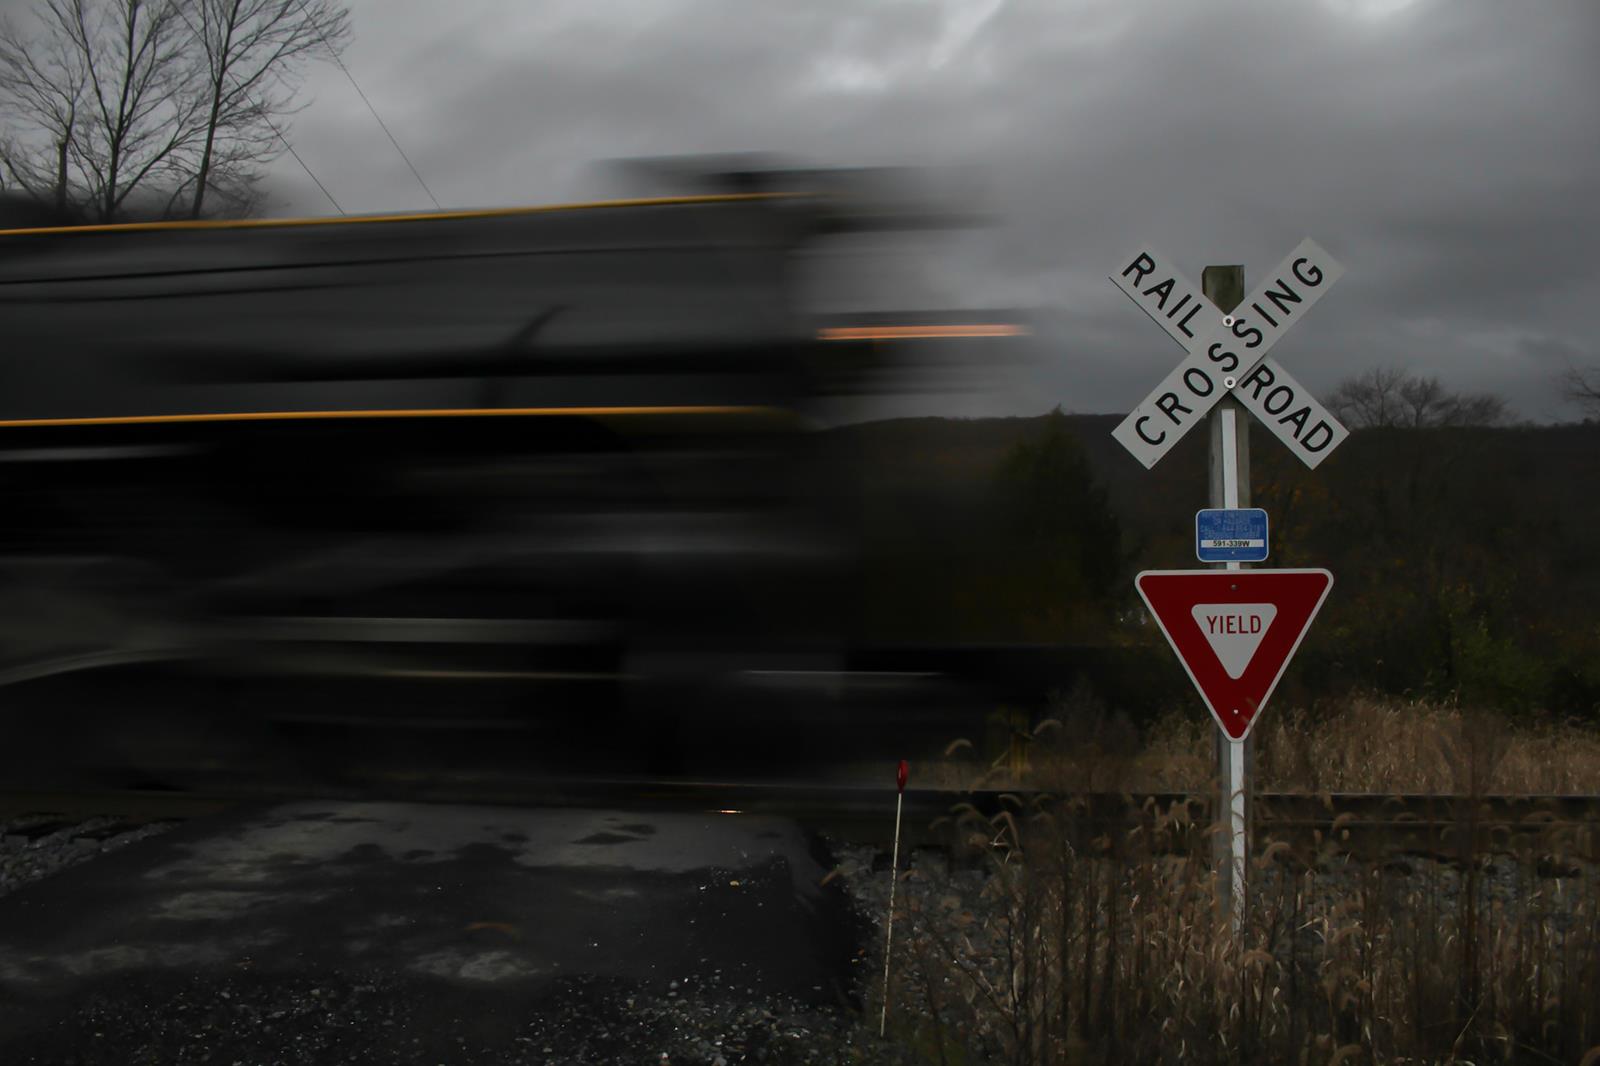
[1445, 152]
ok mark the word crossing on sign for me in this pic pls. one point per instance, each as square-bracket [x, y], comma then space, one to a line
[1226, 351]
[1230, 535]
[1234, 631]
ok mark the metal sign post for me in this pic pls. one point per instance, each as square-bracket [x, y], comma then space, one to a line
[1230, 488]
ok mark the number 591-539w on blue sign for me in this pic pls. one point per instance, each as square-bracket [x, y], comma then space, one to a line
[1230, 535]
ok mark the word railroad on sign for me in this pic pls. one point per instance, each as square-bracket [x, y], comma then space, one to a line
[1228, 353]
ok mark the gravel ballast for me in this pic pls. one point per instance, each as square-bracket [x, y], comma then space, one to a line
[33, 847]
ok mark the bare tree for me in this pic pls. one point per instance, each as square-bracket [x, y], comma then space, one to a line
[1386, 396]
[171, 104]
[1472, 409]
[140, 91]
[1373, 399]
[1582, 387]
[111, 88]
[47, 85]
[254, 53]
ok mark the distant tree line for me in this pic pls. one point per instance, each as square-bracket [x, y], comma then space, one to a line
[163, 108]
[1386, 397]
[1462, 554]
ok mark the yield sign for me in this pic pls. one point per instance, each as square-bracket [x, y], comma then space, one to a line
[1234, 631]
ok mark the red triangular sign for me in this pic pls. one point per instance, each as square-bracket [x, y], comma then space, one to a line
[1234, 631]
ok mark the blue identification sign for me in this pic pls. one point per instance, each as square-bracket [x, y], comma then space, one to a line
[1230, 535]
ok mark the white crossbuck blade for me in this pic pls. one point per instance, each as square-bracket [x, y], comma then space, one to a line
[1229, 353]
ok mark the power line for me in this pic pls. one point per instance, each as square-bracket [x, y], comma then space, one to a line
[383, 125]
[303, 166]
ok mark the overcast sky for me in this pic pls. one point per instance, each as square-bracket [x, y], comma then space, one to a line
[1447, 152]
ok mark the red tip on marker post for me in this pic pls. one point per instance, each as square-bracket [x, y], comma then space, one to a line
[900, 776]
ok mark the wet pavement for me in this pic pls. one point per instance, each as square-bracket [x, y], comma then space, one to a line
[320, 931]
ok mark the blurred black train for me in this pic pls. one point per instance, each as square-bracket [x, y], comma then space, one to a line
[375, 468]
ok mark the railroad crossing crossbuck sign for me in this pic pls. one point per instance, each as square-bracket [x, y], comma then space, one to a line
[1228, 353]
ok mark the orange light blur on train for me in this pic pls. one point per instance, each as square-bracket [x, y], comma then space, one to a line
[705, 410]
[870, 333]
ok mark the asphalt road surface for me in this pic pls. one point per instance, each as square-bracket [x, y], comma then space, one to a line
[386, 932]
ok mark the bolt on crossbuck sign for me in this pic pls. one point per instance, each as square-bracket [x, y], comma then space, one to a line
[1228, 353]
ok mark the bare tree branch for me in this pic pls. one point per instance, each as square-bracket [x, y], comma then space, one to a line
[254, 53]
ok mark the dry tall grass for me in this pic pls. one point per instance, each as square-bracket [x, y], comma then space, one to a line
[1085, 945]
[1363, 744]
[1417, 747]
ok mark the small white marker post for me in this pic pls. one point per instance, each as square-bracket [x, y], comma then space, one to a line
[894, 876]
[1230, 488]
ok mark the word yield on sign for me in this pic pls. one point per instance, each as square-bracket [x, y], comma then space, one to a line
[1228, 353]
[1230, 535]
[1234, 631]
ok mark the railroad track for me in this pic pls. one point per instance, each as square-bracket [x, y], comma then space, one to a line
[1431, 823]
